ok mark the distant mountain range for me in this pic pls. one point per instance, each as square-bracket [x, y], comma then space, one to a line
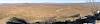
[58, 4]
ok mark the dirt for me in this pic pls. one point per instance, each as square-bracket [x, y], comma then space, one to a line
[97, 21]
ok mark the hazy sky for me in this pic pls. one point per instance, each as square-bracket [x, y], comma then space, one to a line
[45, 1]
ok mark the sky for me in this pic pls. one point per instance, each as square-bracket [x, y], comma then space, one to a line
[45, 1]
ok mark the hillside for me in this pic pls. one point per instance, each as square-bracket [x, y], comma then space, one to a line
[40, 12]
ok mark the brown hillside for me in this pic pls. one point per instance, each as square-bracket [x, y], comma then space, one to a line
[44, 12]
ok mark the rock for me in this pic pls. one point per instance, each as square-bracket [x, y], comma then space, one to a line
[15, 20]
